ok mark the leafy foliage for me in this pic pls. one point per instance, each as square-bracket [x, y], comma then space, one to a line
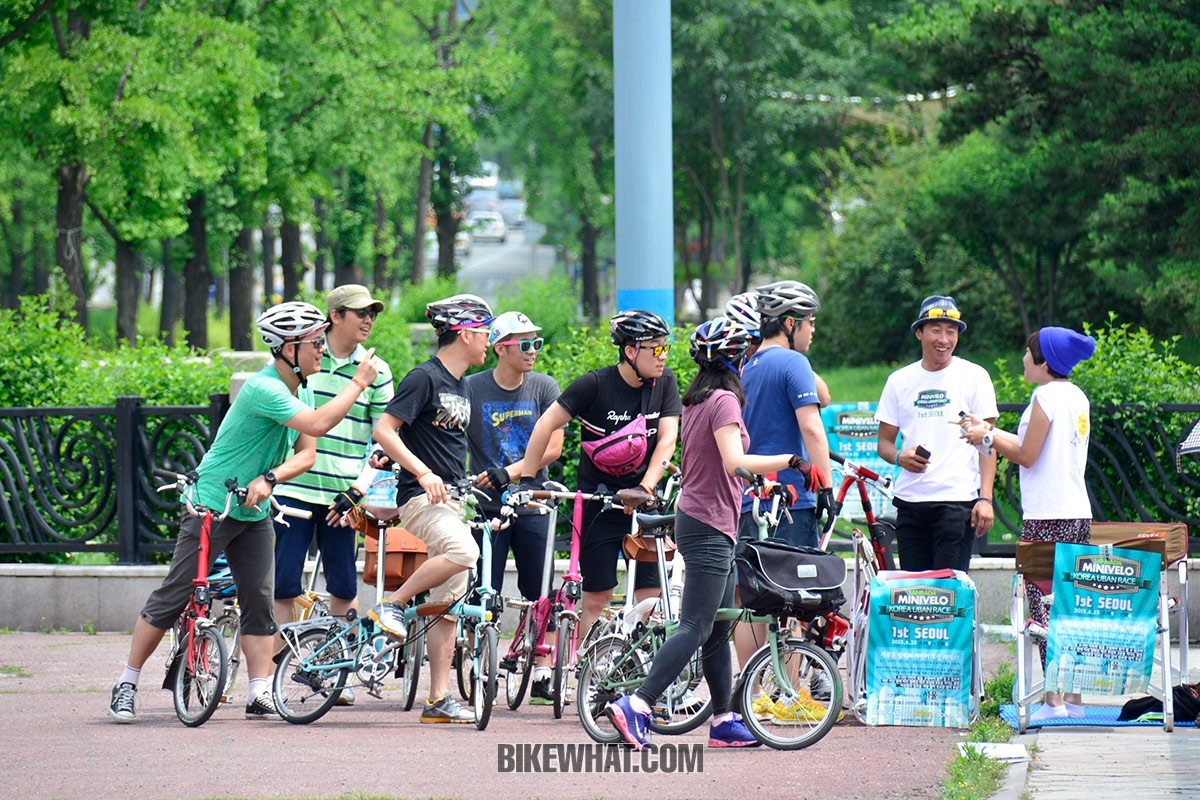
[46, 360]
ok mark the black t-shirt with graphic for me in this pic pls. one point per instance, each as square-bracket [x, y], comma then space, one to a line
[603, 402]
[435, 411]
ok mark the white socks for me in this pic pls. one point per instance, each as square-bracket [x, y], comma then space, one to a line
[129, 675]
[258, 686]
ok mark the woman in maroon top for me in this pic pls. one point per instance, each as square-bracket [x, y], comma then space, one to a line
[714, 442]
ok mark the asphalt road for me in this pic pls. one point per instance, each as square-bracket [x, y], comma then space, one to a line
[58, 741]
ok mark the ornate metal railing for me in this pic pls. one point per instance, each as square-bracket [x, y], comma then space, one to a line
[80, 479]
[1132, 468]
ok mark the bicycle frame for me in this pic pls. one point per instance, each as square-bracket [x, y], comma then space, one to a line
[855, 474]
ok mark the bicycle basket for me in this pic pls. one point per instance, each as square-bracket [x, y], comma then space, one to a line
[777, 578]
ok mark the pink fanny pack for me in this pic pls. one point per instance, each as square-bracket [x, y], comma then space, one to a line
[622, 451]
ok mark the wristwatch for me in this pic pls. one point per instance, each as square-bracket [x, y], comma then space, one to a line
[270, 478]
[988, 439]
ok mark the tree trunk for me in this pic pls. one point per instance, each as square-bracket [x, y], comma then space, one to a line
[587, 261]
[129, 269]
[197, 276]
[320, 263]
[41, 263]
[72, 181]
[172, 294]
[424, 182]
[241, 290]
[290, 259]
[380, 241]
[16, 250]
[268, 260]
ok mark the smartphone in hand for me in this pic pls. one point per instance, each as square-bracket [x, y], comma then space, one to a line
[921, 451]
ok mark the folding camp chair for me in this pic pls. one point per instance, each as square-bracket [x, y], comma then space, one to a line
[1035, 562]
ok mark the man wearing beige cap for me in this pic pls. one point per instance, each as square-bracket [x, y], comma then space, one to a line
[340, 457]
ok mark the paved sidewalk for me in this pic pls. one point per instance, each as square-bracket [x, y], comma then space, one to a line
[1103, 763]
[57, 742]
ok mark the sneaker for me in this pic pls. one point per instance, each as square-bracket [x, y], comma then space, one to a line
[123, 706]
[822, 687]
[731, 733]
[1048, 713]
[1075, 710]
[633, 726]
[763, 706]
[262, 707]
[390, 618]
[540, 694]
[346, 698]
[803, 709]
[446, 709]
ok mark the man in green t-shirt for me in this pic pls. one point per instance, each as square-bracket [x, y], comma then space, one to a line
[268, 435]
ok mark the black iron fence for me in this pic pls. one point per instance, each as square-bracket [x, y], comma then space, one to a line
[80, 479]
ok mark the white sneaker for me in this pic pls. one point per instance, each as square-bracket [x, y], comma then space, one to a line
[1048, 713]
[390, 618]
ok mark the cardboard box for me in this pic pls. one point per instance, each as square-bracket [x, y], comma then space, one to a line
[1035, 560]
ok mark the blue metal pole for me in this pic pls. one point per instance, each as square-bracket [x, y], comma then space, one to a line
[642, 109]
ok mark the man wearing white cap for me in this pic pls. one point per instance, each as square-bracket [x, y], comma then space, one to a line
[506, 403]
[340, 457]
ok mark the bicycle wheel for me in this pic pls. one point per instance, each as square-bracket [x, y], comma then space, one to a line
[518, 664]
[795, 709]
[200, 675]
[686, 704]
[229, 626]
[611, 669]
[464, 660]
[414, 659]
[885, 535]
[564, 663]
[486, 674]
[304, 687]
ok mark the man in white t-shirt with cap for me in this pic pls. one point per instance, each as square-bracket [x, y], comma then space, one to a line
[944, 491]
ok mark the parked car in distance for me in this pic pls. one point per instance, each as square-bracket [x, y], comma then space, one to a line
[487, 225]
[512, 204]
[481, 200]
[462, 243]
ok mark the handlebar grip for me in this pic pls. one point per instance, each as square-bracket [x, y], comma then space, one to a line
[745, 475]
[837, 457]
[670, 468]
[165, 474]
[289, 511]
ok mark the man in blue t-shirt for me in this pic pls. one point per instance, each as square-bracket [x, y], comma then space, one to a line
[783, 407]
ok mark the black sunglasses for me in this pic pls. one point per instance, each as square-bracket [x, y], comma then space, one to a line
[363, 313]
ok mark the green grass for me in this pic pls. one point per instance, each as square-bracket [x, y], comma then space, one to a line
[14, 672]
[972, 775]
[102, 327]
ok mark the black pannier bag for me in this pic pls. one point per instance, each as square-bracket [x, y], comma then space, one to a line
[776, 578]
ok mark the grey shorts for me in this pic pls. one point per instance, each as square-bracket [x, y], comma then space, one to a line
[250, 548]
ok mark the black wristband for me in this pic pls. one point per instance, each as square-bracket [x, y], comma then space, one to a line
[987, 499]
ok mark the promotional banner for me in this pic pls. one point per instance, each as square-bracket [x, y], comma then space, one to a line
[920, 651]
[852, 432]
[1103, 620]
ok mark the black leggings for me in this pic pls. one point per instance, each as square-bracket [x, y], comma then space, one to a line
[708, 557]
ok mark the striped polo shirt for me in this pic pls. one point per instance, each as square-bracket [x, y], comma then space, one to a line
[341, 453]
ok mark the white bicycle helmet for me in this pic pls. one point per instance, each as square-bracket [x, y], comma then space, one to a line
[290, 322]
[458, 312]
[719, 340]
[742, 309]
[787, 299]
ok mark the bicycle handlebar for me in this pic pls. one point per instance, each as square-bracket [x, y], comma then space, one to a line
[856, 471]
[776, 494]
[185, 484]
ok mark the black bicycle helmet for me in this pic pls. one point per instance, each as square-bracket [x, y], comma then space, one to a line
[719, 341]
[458, 312]
[636, 325]
[787, 299]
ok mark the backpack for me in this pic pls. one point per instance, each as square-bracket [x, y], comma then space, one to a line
[776, 578]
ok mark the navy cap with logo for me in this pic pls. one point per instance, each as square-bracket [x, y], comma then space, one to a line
[939, 307]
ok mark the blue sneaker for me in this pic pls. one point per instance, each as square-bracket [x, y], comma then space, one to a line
[633, 727]
[731, 733]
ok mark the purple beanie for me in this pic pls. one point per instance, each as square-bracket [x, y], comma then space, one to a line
[1063, 348]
